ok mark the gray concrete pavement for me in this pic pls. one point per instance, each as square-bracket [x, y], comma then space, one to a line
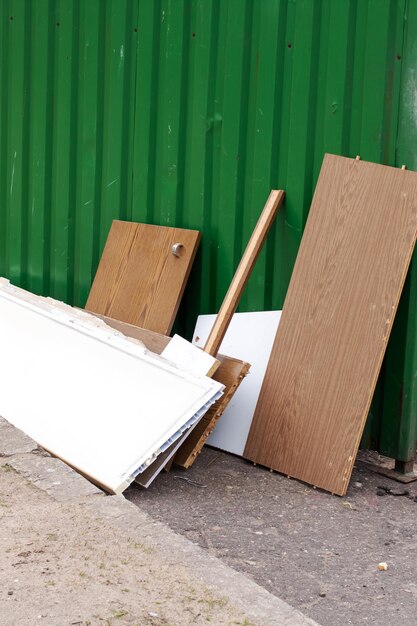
[72, 555]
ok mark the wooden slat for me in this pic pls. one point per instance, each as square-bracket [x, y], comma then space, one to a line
[248, 260]
[336, 321]
[194, 443]
[230, 373]
[139, 280]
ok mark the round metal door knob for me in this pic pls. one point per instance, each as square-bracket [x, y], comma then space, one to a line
[177, 249]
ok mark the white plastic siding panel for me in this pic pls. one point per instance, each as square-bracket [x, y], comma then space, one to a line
[94, 398]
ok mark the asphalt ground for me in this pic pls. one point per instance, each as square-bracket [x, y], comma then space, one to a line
[318, 552]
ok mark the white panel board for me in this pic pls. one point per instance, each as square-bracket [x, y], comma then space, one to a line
[249, 337]
[188, 357]
[98, 400]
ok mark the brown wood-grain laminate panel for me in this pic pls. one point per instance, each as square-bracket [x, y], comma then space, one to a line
[336, 321]
[230, 373]
[139, 280]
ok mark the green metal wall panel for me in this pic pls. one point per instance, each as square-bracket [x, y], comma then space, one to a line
[67, 107]
[187, 112]
[398, 423]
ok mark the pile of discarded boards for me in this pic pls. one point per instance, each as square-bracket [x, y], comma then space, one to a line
[109, 392]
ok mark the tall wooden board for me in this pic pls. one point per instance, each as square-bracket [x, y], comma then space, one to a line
[336, 321]
[142, 274]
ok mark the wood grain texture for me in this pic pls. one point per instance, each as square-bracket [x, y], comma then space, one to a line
[336, 321]
[230, 373]
[139, 280]
[248, 260]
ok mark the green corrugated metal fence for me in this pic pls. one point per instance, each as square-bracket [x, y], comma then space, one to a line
[186, 113]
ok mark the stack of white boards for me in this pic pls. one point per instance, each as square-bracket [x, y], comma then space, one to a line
[98, 400]
[249, 337]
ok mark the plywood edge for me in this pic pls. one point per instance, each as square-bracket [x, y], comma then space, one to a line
[230, 373]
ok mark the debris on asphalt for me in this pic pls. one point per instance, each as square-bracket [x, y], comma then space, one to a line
[189, 481]
[382, 490]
